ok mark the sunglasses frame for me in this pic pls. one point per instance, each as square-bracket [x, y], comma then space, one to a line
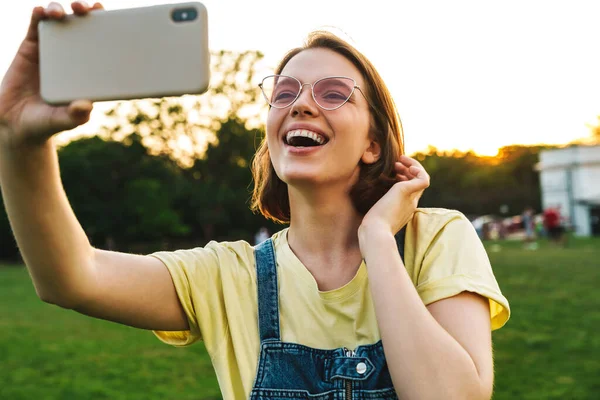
[312, 90]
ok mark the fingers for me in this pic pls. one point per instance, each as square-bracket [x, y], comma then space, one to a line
[409, 167]
[408, 172]
[408, 161]
[75, 114]
[68, 117]
[402, 171]
[418, 172]
[55, 11]
[82, 7]
[37, 15]
[80, 109]
[411, 172]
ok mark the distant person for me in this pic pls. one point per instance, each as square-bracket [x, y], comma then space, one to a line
[261, 235]
[364, 295]
[553, 225]
[478, 225]
[540, 231]
[529, 229]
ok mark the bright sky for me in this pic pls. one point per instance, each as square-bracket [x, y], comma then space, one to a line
[474, 74]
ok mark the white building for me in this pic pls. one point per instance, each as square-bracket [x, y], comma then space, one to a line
[570, 179]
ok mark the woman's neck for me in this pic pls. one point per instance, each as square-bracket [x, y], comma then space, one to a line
[324, 235]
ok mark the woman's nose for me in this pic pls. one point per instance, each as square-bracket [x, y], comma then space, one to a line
[305, 102]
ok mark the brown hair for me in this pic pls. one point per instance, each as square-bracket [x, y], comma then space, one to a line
[270, 196]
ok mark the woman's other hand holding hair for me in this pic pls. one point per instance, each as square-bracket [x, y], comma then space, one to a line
[398, 205]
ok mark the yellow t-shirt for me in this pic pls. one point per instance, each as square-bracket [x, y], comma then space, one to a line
[216, 285]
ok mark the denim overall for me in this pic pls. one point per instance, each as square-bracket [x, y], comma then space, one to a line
[294, 371]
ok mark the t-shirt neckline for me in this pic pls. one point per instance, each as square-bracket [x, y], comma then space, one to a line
[300, 270]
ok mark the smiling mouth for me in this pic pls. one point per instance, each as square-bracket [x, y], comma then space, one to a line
[304, 138]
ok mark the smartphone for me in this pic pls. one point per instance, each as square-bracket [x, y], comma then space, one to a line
[135, 53]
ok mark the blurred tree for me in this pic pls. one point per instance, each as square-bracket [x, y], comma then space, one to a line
[217, 201]
[212, 139]
[183, 127]
[518, 163]
[479, 185]
[120, 193]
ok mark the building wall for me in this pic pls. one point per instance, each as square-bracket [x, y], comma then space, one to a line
[570, 179]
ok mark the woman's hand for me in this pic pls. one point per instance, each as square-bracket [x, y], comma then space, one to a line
[397, 206]
[24, 117]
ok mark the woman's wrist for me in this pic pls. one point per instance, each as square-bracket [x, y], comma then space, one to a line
[13, 142]
[373, 232]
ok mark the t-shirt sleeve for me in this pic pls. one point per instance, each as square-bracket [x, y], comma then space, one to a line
[196, 274]
[456, 261]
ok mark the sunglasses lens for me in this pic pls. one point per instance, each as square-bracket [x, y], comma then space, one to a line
[280, 91]
[331, 93]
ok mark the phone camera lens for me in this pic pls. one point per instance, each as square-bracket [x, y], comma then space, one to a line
[184, 14]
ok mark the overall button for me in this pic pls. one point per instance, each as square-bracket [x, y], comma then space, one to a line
[361, 368]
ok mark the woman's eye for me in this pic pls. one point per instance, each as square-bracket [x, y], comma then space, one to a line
[283, 96]
[334, 96]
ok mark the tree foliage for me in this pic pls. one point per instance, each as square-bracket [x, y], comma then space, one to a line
[182, 128]
[138, 197]
[479, 185]
[120, 193]
[125, 197]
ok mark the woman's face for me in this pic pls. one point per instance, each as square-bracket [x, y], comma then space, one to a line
[344, 132]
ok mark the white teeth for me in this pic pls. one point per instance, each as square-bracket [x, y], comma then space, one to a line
[303, 132]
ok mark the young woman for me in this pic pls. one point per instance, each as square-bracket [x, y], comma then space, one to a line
[364, 296]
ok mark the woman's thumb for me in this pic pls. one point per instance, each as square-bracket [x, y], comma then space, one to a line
[77, 113]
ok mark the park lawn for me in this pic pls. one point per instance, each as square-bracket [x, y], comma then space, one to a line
[550, 349]
[49, 353]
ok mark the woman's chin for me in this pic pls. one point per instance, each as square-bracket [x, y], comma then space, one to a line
[303, 178]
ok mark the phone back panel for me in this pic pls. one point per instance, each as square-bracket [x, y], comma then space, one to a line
[124, 54]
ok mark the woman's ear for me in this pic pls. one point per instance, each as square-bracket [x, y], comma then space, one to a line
[372, 153]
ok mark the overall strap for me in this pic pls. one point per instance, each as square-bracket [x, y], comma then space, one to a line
[268, 298]
[400, 239]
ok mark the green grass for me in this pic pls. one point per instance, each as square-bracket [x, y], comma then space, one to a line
[550, 349]
[50, 353]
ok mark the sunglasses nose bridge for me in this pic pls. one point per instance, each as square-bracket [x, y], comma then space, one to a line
[310, 91]
[302, 88]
